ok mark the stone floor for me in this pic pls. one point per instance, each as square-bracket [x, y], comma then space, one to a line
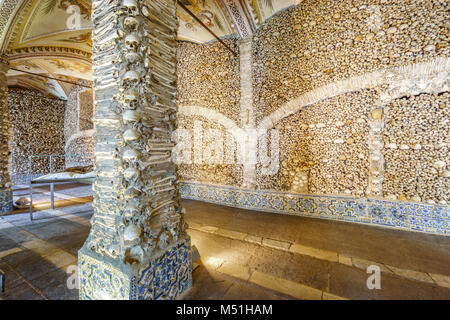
[309, 255]
[244, 254]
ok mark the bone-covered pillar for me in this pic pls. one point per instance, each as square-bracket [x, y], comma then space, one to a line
[137, 247]
[5, 182]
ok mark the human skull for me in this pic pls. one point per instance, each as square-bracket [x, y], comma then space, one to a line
[131, 97]
[131, 135]
[132, 233]
[131, 23]
[131, 78]
[131, 173]
[130, 213]
[131, 155]
[132, 42]
[130, 7]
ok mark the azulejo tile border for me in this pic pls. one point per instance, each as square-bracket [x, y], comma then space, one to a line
[100, 280]
[6, 200]
[167, 277]
[395, 214]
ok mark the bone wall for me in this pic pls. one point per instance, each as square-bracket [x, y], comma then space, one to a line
[326, 143]
[78, 126]
[5, 182]
[34, 118]
[343, 82]
[331, 144]
[208, 77]
[71, 113]
[86, 110]
[416, 137]
[320, 42]
[79, 149]
[195, 166]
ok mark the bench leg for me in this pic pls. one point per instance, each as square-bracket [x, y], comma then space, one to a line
[31, 201]
[52, 196]
[2, 281]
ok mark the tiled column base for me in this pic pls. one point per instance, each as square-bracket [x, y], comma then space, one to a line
[6, 201]
[167, 277]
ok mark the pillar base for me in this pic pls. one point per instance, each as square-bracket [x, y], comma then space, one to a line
[6, 201]
[167, 277]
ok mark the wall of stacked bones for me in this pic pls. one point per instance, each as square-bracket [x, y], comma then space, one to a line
[34, 118]
[325, 145]
[78, 126]
[208, 76]
[66, 128]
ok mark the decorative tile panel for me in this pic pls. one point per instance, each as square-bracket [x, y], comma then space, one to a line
[100, 280]
[166, 277]
[6, 201]
[395, 214]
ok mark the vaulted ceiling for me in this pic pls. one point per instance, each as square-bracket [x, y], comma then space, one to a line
[35, 36]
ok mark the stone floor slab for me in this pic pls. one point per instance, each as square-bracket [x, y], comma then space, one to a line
[441, 280]
[208, 229]
[330, 296]
[276, 244]
[415, 275]
[364, 264]
[254, 239]
[313, 252]
[345, 260]
[9, 252]
[291, 288]
[235, 270]
[231, 234]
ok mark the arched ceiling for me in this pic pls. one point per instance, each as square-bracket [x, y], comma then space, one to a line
[35, 36]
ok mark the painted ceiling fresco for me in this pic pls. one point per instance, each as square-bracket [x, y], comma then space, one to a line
[49, 19]
[225, 17]
[210, 13]
[59, 49]
[38, 37]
